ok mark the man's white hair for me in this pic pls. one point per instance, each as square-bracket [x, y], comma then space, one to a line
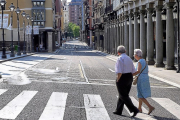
[138, 52]
[121, 49]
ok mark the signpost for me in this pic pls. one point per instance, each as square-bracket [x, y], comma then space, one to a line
[5, 20]
[35, 30]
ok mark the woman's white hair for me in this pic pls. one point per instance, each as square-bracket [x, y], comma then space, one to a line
[138, 52]
[121, 49]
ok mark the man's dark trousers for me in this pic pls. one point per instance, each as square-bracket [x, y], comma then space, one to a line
[124, 87]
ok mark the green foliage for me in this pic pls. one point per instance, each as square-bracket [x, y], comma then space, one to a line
[74, 29]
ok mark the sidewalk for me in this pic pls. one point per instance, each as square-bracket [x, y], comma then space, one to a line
[168, 76]
[12, 58]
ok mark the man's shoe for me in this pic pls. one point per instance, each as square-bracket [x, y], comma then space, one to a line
[116, 113]
[135, 113]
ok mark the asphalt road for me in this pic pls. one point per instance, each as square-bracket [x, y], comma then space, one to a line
[75, 83]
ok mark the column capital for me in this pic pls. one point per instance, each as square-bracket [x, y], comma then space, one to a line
[149, 5]
[149, 10]
[169, 5]
[158, 5]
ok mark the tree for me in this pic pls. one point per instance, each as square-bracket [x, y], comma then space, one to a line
[74, 29]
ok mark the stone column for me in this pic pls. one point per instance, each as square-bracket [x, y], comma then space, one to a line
[170, 42]
[126, 37]
[159, 35]
[117, 33]
[122, 32]
[105, 36]
[131, 38]
[150, 36]
[143, 43]
[50, 42]
[136, 31]
[114, 36]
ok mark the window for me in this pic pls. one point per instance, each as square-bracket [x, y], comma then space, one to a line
[40, 3]
[38, 12]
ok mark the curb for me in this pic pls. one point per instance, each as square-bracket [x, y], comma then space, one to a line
[9, 59]
[150, 75]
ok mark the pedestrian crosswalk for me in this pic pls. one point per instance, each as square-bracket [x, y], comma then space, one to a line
[94, 106]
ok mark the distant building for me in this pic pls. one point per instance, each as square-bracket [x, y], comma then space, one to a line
[74, 11]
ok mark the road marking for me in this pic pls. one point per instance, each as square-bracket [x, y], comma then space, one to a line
[13, 108]
[84, 72]
[2, 91]
[95, 109]
[111, 70]
[80, 70]
[55, 107]
[164, 80]
[139, 116]
[169, 105]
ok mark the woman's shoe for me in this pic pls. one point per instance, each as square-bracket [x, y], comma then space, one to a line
[150, 110]
[140, 110]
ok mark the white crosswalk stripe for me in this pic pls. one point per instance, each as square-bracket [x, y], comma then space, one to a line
[93, 105]
[55, 107]
[169, 105]
[95, 109]
[2, 91]
[13, 108]
[141, 115]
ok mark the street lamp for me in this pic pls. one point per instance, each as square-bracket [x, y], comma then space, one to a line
[24, 16]
[18, 11]
[12, 7]
[3, 2]
[32, 42]
[28, 18]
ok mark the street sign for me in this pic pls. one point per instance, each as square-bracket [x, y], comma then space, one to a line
[35, 30]
[5, 20]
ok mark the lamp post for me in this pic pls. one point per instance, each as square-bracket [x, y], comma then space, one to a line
[32, 42]
[3, 2]
[24, 16]
[28, 18]
[12, 7]
[18, 11]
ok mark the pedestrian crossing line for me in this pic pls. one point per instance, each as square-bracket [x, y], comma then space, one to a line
[2, 91]
[95, 109]
[169, 105]
[139, 116]
[55, 107]
[13, 108]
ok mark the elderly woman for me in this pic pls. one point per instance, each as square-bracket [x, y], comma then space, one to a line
[124, 69]
[143, 85]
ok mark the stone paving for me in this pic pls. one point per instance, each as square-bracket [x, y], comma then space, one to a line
[168, 76]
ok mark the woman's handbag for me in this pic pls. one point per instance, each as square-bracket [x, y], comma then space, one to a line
[136, 77]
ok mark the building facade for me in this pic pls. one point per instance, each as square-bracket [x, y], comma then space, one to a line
[46, 17]
[74, 11]
[149, 25]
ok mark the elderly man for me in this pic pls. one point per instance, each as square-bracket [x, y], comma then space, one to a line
[124, 69]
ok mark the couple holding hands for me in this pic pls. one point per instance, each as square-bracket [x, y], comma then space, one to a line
[125, 71]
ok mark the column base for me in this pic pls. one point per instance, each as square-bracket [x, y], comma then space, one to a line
[4, 56]
[159, 65]
[12, 55]
[18, 54]
[170, 67]
[151, 62]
